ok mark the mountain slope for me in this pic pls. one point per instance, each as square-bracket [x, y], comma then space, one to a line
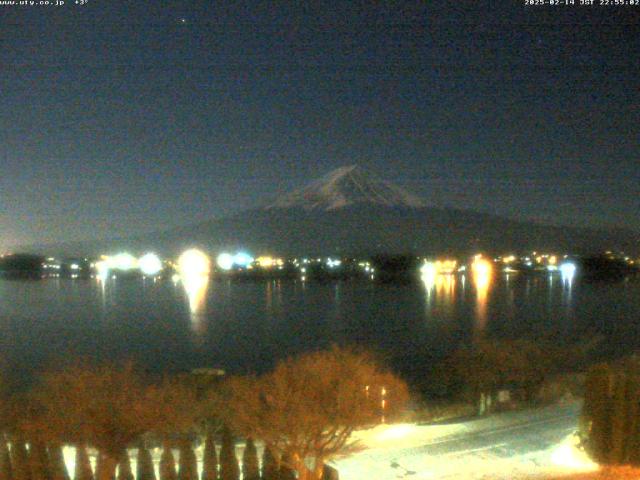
[347, 186]
[366, 229]
[350, 211]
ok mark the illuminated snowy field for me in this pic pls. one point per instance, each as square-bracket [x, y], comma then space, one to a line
[531, 444]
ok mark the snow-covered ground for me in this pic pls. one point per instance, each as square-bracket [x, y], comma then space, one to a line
[506, 446]
[532, 445]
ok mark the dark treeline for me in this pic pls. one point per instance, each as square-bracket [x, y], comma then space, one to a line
[610, 424]
[22, 265]
[603, 267]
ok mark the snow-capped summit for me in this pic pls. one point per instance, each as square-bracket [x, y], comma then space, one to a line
[350, 185]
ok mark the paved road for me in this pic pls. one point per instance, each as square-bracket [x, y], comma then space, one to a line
[514, 440]
[519, 432]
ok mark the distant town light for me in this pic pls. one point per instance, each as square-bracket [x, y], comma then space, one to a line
[266, 262]
[482, 270]
[480, 266]
[568, 270]
[225, 261]
[102, 269]
[428, 273]
[446, 266]
[431, 269]
[428, 269]
[331, 263]
[195, 285]
[150, 264]
[193, 262]
[123, 261]
[242, 259]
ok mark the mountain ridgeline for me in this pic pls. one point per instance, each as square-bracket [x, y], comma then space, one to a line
[351, 211]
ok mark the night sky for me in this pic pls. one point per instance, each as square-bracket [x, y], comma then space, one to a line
[122, 117]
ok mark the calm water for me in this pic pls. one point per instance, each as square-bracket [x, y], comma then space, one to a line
[244, 326]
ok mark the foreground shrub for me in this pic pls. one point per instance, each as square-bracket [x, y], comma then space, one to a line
[308, 407]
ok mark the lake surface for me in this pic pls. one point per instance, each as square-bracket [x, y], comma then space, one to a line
[241, 326]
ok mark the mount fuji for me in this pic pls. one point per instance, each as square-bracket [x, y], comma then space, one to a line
[347, 186]
[352, 211]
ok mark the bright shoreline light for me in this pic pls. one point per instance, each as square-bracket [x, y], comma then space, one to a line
[481, 267]
[446, 266]
[428, 270]
[242, 259]
[225, 261]
[150, 264]
[333, 263]
[122, 261]
[266, 261]
[193, 262]
[568, 270]
[102, 269]
[431, 269]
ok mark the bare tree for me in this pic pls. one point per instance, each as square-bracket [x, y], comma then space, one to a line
[286, 471]
[210, 458]
[178, 410]
[229, 469]
[188, 464]
[83, 465]
[124, 467]
[14, 419]
[167, 465]
[6, 472]
[106, 406]
[309, 406]
[38, 461]
[19, 458]
[488, 366]
[56, 462]
[144, 464]
[270, 465]
[250, 464]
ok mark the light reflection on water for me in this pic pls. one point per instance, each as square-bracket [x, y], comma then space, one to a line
[567, 284]
[195, 287]
[440, 290]
[445, 292]
[243, 324]
[482, 276]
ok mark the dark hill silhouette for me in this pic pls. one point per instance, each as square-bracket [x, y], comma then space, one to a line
[350, 211]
